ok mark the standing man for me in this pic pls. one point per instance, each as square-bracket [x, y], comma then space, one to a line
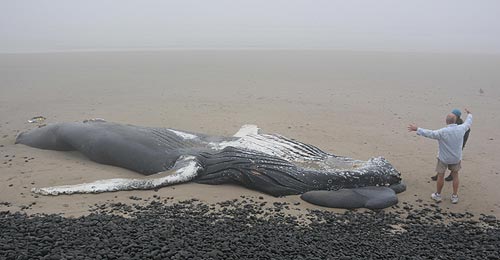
[450, 140]
[459, 121]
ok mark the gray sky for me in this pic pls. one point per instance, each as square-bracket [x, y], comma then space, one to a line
[418, 25]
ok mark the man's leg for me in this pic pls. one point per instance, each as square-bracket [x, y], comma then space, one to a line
[454, 168]
[440, 169]
[439, 186]
[455, 182]
[440, 183]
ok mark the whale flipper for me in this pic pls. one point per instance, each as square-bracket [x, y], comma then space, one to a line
[365, 197]
[186, 168]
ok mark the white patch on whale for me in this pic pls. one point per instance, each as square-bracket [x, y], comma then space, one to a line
[247, 130]
[269, 144]
[184, 135]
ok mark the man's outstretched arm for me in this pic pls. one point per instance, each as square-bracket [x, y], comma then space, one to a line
[434, 134]
[468, 121]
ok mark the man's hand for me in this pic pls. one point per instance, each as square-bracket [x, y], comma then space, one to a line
[412, 127]
[467, 110]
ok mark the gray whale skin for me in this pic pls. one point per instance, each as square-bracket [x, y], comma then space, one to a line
[269, 163]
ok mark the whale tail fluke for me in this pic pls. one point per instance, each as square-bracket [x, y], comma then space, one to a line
[185, 169]
[45, 137]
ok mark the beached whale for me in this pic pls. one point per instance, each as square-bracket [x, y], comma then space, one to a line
[269, 163]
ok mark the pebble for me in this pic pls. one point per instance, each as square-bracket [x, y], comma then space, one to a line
[489, 219]
[134, 198]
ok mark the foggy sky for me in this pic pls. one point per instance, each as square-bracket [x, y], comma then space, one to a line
[418, 25]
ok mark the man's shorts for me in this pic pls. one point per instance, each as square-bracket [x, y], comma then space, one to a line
[441, 167]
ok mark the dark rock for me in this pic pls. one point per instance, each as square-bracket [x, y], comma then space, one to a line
[489, 219]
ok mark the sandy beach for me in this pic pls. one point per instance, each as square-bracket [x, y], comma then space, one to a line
[356, 104]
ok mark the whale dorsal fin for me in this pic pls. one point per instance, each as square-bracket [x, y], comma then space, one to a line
[247, 130]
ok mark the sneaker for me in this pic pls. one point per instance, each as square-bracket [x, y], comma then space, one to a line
[436, 197]
[454, 199]
[449, 178]
[434, 178]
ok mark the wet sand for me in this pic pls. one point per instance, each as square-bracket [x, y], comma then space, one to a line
[356, 104]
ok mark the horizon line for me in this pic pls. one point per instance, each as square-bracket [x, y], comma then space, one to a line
[86, 50]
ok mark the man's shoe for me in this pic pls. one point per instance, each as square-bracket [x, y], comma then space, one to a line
[434, 178]
[437, 197]
[449, 178]
[454, 199]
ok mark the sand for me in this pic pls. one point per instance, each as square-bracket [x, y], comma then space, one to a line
[356, 104]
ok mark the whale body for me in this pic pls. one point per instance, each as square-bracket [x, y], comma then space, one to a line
[269, 163]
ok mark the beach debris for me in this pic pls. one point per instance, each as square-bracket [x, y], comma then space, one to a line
[94, 120]
[481, 91]
[37, 119]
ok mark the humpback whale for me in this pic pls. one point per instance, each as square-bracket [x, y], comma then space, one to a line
[269, 163]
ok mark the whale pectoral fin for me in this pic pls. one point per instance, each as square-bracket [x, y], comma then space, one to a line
[185, 169]
[398, 187]
[366, 197]
[247, 130]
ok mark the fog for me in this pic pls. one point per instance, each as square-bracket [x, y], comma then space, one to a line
[387, 25]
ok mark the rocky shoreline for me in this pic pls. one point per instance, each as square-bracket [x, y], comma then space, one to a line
[248, 228]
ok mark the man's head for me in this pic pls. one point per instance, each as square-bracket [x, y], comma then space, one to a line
[451, 119]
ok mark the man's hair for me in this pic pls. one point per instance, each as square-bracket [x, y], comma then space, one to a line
[451, 119]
